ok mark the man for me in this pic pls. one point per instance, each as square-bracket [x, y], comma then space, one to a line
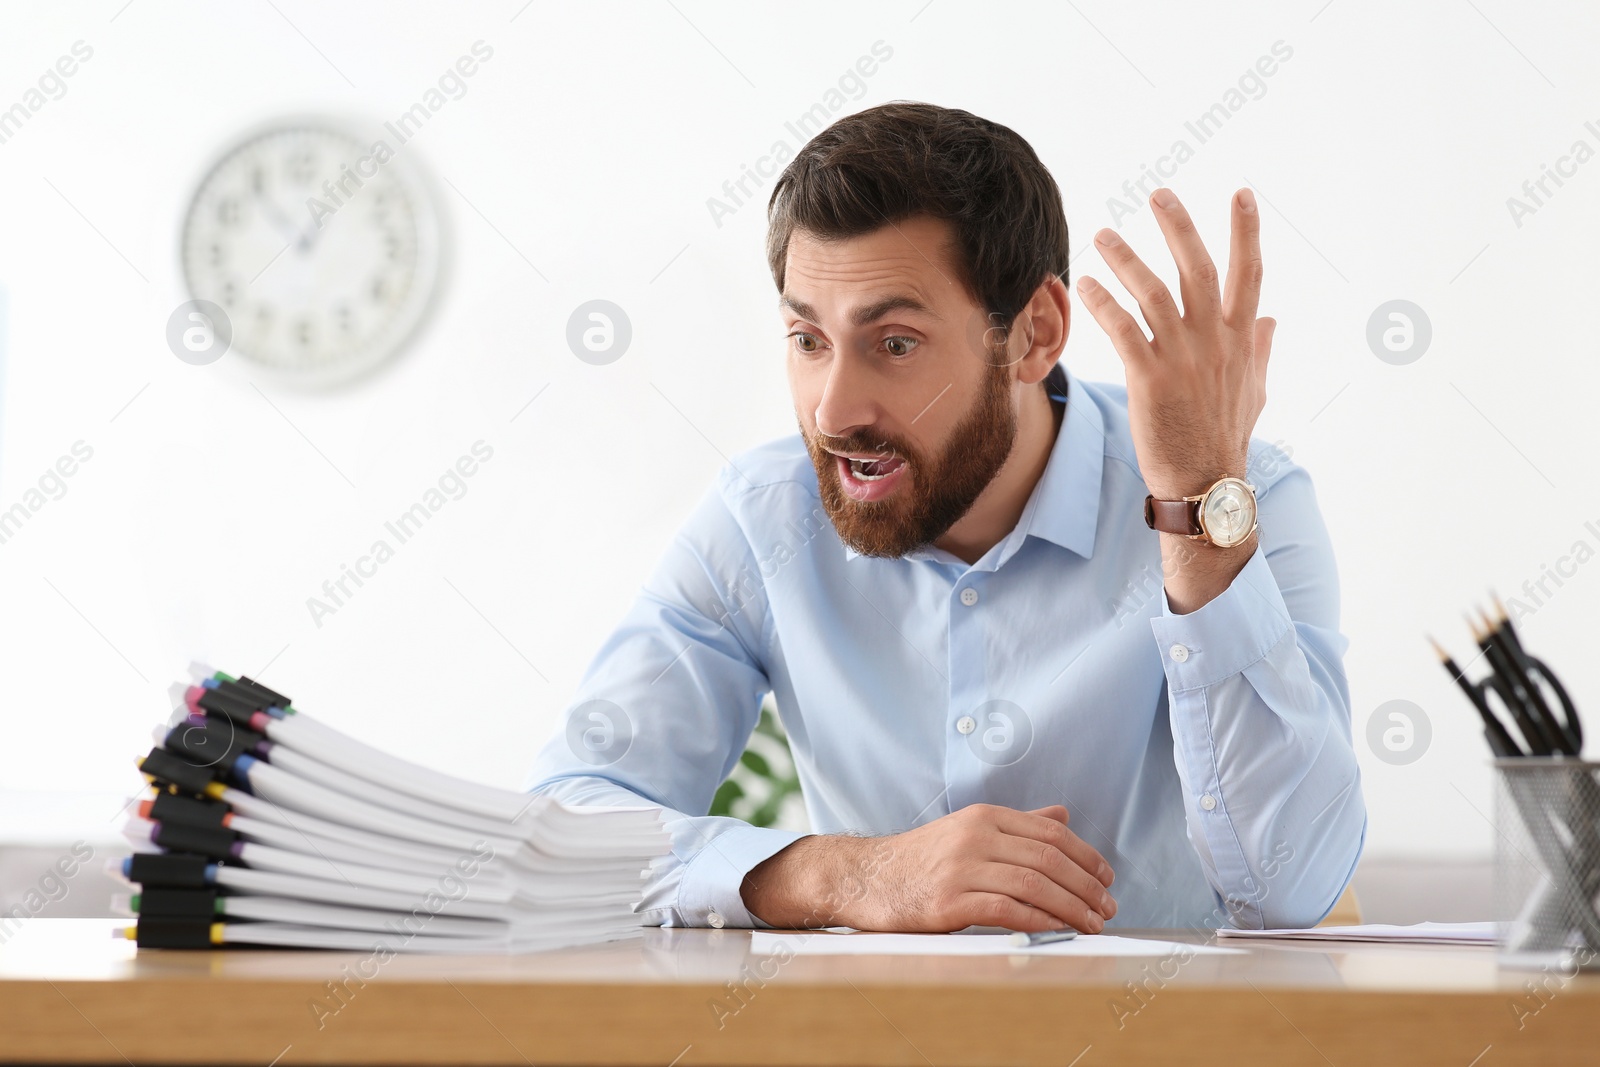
[1007, 681]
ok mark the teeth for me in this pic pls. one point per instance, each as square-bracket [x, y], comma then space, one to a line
[857, 472]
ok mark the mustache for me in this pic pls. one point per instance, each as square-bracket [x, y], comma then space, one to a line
[861, 443]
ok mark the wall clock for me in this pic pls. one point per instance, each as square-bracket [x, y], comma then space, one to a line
[321, 246]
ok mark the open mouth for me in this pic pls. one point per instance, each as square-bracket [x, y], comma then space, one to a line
[869, 477]
[870, 470]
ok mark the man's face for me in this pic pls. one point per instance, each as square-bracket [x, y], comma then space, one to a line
[905, 402]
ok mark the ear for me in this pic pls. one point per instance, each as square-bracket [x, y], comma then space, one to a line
[1042, 325]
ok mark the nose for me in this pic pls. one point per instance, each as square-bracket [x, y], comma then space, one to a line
[846, 404]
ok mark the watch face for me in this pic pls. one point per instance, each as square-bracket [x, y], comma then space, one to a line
[1228, 513]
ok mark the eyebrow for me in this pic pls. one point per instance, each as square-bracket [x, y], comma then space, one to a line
[865, 314]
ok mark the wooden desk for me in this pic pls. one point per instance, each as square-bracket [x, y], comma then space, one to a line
[69, 994]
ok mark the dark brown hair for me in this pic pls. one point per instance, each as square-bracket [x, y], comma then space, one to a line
[902, 159]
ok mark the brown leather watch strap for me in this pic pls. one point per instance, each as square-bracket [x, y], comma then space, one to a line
[1173, 516]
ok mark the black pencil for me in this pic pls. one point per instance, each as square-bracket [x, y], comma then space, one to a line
[1500, 742]
[1569, 739]
[1535, 734]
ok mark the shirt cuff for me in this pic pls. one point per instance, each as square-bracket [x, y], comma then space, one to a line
[1221, 638]
[708, 894]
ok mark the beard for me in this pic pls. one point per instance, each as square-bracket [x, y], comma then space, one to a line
[936, 494]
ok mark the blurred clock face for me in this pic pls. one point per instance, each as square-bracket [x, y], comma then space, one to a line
[322, 248]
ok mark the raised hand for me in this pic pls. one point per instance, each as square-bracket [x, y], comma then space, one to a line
[1196, 388]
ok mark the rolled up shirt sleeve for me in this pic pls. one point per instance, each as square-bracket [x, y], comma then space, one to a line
[663, 713]
[1260, 714]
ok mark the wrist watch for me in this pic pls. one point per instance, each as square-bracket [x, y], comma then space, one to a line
[1224, 515]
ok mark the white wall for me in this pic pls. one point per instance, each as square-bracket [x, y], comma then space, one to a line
[1383, 151]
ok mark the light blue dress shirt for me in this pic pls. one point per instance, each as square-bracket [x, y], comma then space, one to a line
[1207, 756]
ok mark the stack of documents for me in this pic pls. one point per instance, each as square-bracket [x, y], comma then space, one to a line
[267, 827]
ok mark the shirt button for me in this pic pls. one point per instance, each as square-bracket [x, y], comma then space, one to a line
[1178, 652]
[1208, 802]
[966, 724]
[969, 596]
[716, 920]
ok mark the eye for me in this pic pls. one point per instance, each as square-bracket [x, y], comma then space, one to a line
[900, 347]
[806, 342]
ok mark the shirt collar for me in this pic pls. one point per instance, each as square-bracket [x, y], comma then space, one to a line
[1064, 507]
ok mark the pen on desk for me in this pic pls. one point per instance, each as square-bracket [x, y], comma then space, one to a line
[1020, 939]
[1500, 742]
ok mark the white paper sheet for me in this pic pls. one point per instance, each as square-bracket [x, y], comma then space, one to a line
[1417, 934]
[854, 943]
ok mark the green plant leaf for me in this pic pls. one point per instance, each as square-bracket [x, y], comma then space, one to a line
[727, 793]
[768, 743]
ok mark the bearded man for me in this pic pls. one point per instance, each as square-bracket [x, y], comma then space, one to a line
[1030, 636]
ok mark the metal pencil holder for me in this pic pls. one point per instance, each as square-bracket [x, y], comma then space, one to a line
[1547, 867]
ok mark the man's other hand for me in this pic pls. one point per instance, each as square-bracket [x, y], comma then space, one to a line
[984, 865]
